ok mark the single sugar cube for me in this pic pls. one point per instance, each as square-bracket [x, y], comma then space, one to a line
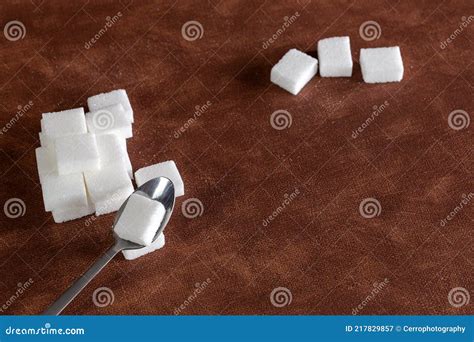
[380, 65]
[76, 153]
[166, 169]
[64, 123]
[46, 162]
[334, 56]
[111, 98]
[131, 254]
[64, 191]
[112, 151]
[72, 213]
[140, 219]
[108, 188]
[294, 70]
[111, 119]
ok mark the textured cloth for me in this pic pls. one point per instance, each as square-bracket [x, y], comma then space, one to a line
[329, 202]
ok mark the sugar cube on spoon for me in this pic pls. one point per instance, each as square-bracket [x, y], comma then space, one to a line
[140, 220]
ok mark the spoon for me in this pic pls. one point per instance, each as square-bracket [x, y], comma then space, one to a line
[159, 189]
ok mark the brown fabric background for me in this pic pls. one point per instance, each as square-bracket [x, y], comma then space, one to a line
[240, 168]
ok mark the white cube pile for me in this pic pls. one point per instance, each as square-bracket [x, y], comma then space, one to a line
[295, 69]
[84, 168]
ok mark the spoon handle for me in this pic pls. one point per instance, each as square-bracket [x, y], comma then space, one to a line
[79, 284]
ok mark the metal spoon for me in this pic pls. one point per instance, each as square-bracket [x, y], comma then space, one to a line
[160, 189]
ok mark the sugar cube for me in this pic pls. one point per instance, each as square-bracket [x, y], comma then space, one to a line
[108, 188]
[294, 70]
[64, 123]
[140, 219]
[166, 169]
[72, 213]
[380, 65]
[76, 153]
[131, 254]
[112, 150]
[111, 98]
[334, 56]
[111, 119]
[46, 162]
[64, 191]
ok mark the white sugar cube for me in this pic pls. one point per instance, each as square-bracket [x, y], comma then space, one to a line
[64, 123]
[64, 191]
[112, 151]
[111, 98]
[108, 188]
[381, 65]
[76, 153]
[140, 220]
[294, 70]
[334, 56]
[46, 162]
[72, 213]
[166, 169]
[111, 119]
[132, 254]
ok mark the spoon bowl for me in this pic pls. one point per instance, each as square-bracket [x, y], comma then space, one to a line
[159, 189]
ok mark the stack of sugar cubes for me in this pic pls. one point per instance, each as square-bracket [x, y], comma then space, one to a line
[295, 69]
[83, 163]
